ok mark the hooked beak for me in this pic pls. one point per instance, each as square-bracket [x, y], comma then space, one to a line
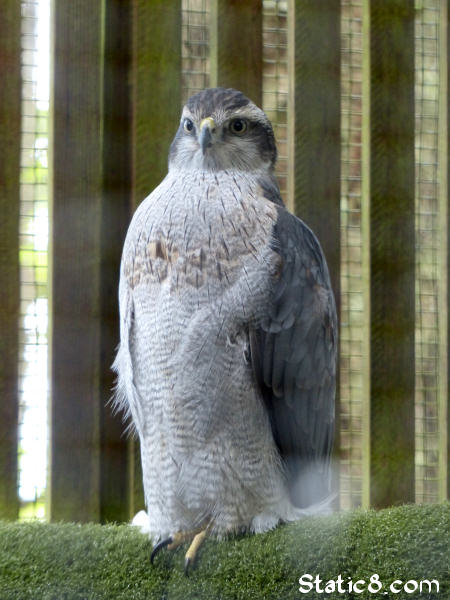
[207, 128]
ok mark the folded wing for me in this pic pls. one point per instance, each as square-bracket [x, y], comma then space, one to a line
[293, 352]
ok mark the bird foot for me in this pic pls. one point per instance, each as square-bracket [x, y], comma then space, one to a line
[190, 555]
[173, 542]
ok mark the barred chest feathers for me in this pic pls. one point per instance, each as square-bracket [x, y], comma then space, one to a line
[198, 231]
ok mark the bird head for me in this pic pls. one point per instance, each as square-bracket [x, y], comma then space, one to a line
[222, 129]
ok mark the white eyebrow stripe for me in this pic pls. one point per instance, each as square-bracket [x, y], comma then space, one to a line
[220, 116]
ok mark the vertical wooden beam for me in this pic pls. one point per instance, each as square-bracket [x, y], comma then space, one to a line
[156, 81]
[91, 211]
[156, 109]
[314, 122]
[365, 267]
[76, 260]
[444, 189]
[115, 215]
[314, 131]
[135, 482]
[390, 130]
[236, 46]
[10, 105]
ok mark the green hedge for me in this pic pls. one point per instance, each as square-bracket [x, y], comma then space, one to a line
[66, 561]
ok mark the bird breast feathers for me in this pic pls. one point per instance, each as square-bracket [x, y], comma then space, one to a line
[191, 243]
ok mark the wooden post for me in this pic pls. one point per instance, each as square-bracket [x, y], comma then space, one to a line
[314, 129]
[365, 266]
[156, 88]
[76, 261]
[91, 212]
[115, 496]
[389, 184]
[156, 110]
[236, 46]
[10, 105]
[444, 189]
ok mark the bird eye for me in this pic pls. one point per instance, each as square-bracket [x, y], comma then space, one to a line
[188, 125]
[238, 126]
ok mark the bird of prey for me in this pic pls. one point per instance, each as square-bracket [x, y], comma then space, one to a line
[227, 357]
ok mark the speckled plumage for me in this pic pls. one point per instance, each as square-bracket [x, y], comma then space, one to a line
[228, 333]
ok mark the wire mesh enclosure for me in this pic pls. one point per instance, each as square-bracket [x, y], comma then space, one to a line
[429, 265]
[33, 232]
[275, 80]
[167, 52]
[195, 47]
[352, 297]
[428, 243]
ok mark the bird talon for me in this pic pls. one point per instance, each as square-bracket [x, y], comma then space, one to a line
[193, 549]
[187, 564]
[159, 546]
[172, 542]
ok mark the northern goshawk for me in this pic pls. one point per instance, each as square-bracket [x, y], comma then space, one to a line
[227, 358]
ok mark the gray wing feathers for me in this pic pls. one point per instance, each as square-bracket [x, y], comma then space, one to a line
[294, 360]
[126, 396]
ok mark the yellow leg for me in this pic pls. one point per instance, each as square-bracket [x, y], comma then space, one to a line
[193, 549]
[173, 542]
[181, 537]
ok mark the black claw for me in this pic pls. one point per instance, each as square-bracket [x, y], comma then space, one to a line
[159, 546]
[187, 564]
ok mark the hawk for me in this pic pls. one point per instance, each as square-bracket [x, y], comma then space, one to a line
[227, 357]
